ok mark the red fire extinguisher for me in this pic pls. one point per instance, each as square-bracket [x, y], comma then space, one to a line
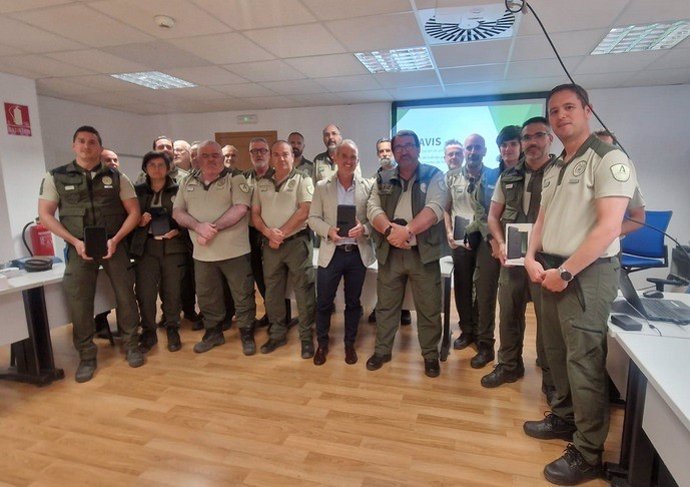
[41, 239]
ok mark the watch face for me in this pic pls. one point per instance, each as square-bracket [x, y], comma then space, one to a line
[566, 276]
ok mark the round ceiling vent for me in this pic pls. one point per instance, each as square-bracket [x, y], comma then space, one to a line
[475, 26]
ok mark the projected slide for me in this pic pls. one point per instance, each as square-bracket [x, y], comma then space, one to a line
[437, 123]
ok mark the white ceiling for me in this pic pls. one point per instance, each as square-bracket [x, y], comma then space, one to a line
[251, 54]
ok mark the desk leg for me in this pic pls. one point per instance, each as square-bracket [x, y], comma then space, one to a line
[33, 356]
[445, 341]
[637, 453]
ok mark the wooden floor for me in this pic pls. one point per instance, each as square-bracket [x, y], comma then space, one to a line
[221, 418]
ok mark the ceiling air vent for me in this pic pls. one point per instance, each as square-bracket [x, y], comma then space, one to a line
[467, 24]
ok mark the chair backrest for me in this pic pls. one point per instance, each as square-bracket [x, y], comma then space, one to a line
[647, 242]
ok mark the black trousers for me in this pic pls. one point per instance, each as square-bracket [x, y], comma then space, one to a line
[464, 263]
[349, 266]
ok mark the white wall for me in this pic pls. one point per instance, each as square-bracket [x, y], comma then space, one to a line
[21, 165]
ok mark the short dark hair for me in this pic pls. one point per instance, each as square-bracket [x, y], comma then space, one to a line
[405, 133]
[509, 132]
[89, 129]
[579, 91]
[160, 137]
[156, 154]
[538, 119]
[295, 133]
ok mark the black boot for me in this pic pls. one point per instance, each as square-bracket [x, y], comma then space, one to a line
[248, 343]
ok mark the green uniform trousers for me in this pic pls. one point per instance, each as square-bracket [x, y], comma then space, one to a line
[575, 328]
[425, 281]
[515, 290]
[157, 273]
[486, 285]
[80, 289]
[292, 259]
[209, 276]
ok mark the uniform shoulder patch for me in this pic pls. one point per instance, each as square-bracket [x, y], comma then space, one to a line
[621, 172]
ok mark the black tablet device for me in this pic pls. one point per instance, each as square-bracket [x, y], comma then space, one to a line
[346, 219]
[96, 242]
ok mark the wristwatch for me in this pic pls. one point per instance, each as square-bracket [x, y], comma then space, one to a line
[388, 230]
[565, 275]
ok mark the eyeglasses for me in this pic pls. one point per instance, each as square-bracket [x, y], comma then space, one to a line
[455, 154]
[537, 136]
[215, 155]
[261, 151]
[404, 146]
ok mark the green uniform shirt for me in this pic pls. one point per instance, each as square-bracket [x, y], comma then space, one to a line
[324, 167]
[569, 191]
[461, 200]
[279, 201]
[207, 203]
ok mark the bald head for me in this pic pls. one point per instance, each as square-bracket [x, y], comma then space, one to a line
[475, 150]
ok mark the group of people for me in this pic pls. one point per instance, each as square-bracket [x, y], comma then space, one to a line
[196, 226]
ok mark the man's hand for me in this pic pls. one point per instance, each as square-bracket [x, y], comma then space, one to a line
[206, 230]
[356, 231]
[145, 219]
[81, 250]
[535, 270]
[553, 282]
[451, 241]
[275, 236]
[399, 236]
[112, 247]
[498, 251]
[333, 235]
[171, 234]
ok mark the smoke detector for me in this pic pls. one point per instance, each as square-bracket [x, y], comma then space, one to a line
[164, 22]
[467, 24]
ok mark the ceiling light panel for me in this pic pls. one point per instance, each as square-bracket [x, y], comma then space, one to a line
[396, 60]
[154, 80]
[650, 37]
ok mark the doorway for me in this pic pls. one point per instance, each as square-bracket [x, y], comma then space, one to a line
[241, 141]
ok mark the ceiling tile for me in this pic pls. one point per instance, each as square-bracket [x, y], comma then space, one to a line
[468, 74]
[318, 99]
[296, 40]
[265, 71]
[327, 66]
[62, 86]
[97, 60]
[378, 32]
[334, 9]
[295, 87]
[157, 55]
[272, 102]
[44, 66]
[142, 108]
[565, 16]
[457, 55]
[223, 48]
[16, 6]
[411, 78]
[349, 83]
[417, 92]
[244, 90]
[9, 51]
[651, 77]
[103, 82]
[110, 98]
[227, 104]
[631, 61]
[32, 39]
[257, 14]
[674, 58]
[541, 68]
[602, 80]
[82, 24]
[646, 12]
[207, 75]
[200, 93]
[189, 19]
[575, 43]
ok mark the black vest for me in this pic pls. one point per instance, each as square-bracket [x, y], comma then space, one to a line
[89, 201]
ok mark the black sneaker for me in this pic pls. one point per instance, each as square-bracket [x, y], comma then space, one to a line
[135, 358]
[212, 338]
[432, 368]
[174, 343]
[571, 468]
[463, 341]
[484, 356]
[376, 361]
[147, 340]
[550, 428]
[248, 343]
[85, 370]
[272, 344]
[500, 376]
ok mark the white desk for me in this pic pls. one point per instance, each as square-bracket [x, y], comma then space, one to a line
[31, 305]
[651, 370]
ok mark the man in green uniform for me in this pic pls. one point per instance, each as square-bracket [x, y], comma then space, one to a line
[280, 208]
[87, 193]
[573, 255]
[406, 210]
[213, 204]
[516, 200]
[324, 164]
[296, 141]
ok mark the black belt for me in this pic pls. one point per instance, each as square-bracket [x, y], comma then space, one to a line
[551, 261]
[348, 248]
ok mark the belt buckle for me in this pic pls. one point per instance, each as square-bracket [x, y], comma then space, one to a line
[347, 247]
